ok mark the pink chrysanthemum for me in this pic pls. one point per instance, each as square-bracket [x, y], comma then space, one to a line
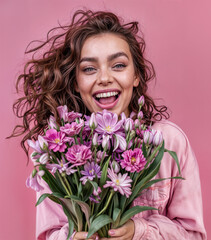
[56, 140]
[133, 160]
[72, 129]
[120, 183]
[78, 154]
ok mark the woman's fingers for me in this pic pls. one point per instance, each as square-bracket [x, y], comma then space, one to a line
[83, 235]
[125, 232]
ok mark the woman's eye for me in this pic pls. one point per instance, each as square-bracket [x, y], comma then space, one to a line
[119, 66]
[88, 69]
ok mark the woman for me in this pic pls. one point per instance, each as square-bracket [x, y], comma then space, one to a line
[98, 63]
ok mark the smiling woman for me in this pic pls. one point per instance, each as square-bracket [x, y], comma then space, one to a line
[106, 74]
[96, 64]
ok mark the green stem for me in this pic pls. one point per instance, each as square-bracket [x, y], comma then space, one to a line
[108, 201]
[63, 184]
[101, 162]
[68, 185]
[76, 140]
[81, 138]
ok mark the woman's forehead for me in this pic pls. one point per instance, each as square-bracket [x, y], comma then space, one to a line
[105, 44]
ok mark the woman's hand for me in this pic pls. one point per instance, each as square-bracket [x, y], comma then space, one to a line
[83, 235]
[125, 232]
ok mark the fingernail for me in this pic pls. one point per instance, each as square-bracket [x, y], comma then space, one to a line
[111, 232]
[97, 238]
[85, 235]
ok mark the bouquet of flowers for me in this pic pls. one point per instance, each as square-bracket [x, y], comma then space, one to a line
[95, 166]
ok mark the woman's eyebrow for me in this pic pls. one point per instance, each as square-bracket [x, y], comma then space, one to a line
[110, 57]
[88, 59]
[116, 55]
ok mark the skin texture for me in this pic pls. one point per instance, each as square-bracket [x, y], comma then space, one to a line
[106, 63]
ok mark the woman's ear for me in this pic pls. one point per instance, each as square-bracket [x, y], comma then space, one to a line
[136, 81]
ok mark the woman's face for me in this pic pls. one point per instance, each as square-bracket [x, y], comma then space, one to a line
[106, 75]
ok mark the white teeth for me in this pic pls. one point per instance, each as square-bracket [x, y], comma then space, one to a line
[107, 94]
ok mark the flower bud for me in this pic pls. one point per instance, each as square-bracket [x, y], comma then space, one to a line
[132, 114]
[128, 124]
[41, 173]
[137, 123]
[95, 139]
[43, 143]
[93, 121]
[147, 137]
[141, 101]
[52, 122]
[132, 134]
[63, 112]
[105, 141]
[96, 193]
[44, 158]
[115, 166]
[158, 138]
[101, 155]
[140, 115]
[123, 116]
[33, 156]
[34, 172]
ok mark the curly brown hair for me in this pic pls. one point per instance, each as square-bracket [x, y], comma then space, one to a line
[48, 81]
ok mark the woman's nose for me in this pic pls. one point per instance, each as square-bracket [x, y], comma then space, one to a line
[104, 77]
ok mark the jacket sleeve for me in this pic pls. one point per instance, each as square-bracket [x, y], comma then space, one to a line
[183, 216]
[51, 222]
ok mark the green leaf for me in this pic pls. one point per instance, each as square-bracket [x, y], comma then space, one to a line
[123, 200]
[84, 208]
[79, 189]
[68, 204]
[138, 187]
[42, 198]
[94, 184]
[70, 223]
[132, 211]
[116, 201]
[98, 223]
[116, 213]
[116, 217]
[59, 182]
[55, 197]
[79, 216]
[174, 156]
[144, 150]
[50, 180]
[87, 191]
[157, 159]
[104, 173]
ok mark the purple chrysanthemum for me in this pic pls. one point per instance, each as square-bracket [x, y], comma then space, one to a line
[56, 140]
[61, 167]
[78, 154]
[91, 170]
[120, 183]
[133, 160]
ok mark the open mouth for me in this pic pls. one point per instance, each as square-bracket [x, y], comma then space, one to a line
[107, 99]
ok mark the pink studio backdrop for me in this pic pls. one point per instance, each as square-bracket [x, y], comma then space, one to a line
[178, 43]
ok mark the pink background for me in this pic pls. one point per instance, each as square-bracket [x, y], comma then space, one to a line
[178, 40]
